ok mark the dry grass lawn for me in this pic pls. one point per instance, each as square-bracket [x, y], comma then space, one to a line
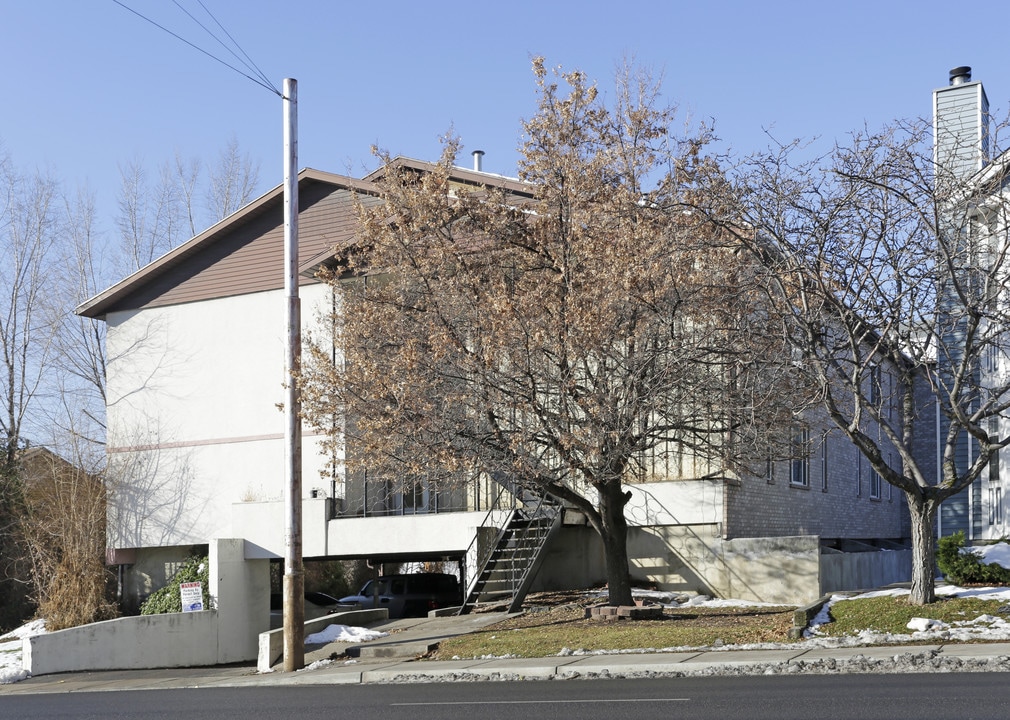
[554, 621]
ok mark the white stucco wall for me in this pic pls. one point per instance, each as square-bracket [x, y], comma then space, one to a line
[422, 534]
[263, 523]
[678, 502]
[193, 416]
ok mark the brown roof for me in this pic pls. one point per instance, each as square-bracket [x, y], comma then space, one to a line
[243, 253]
[463, 175]
[239, 254]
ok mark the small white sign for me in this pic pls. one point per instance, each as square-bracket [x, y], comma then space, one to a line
[192, 596]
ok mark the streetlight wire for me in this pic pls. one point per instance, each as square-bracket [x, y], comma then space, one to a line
[264, 83]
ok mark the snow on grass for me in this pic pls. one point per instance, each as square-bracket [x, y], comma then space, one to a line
[679, 599]
[986, 628]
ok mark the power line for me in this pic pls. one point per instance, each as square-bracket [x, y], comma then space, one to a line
[262, 83]
[250, 64]
[247, 61]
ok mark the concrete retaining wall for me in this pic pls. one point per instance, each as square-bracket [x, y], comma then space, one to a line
[148, 641]
[271, 643]
[695, 558]
[240, 589]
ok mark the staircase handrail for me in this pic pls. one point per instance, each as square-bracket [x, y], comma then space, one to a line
[492, 508]
[544, 498]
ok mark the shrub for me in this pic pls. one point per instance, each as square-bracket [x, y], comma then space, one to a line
[61, 538]
[965, 567]
[168, 599]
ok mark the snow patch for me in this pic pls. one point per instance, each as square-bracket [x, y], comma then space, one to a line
[919, 624]
[343, 633]
[11, 670]
[990, 554]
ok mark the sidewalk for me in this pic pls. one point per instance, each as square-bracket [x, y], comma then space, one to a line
[408, 637]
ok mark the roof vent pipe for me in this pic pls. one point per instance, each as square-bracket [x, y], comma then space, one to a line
[478, 156]
[960, 75]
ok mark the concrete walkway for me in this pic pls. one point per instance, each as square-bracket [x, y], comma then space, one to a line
[391, 659]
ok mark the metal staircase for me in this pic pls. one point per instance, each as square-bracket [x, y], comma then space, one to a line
[508, 569]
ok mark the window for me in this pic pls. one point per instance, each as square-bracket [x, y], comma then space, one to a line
[994, 458]
[875, 385]
[989, 359]
[767, 470]
[890, 487]
[875, 481]
[859, 474]
[824, 461]
[799, 465]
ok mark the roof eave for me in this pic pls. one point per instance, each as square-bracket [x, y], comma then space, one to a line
[97, 306]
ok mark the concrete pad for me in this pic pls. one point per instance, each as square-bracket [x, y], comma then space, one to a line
[743, 657]
[392, 650]
[981, 650]
[408, 637]
[525, 668]
[434, 669]
[627, 663]
[335, 673]
[129, 679]
[883, 652]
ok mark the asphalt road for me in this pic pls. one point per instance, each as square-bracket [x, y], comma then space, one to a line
[964, 696]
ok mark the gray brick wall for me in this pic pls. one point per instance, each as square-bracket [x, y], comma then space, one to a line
[842, 505]
[840, 508]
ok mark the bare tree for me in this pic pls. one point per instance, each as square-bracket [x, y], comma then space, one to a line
[233, 181]
[151, 220]
[187, 176]
[884, 264]
[28, 227]
[570, 339]
[155, 217]
[79, 357]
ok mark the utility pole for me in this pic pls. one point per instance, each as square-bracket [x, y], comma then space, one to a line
[294, 576]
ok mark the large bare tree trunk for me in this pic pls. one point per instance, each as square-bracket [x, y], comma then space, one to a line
[614, 534]
[923, 511]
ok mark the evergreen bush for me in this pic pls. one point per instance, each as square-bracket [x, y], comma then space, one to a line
[965, 567]
[168, 599]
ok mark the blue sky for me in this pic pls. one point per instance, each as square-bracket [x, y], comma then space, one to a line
[90, 86]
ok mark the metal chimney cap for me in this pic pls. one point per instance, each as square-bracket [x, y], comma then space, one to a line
[960, 75]
[477, 156]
